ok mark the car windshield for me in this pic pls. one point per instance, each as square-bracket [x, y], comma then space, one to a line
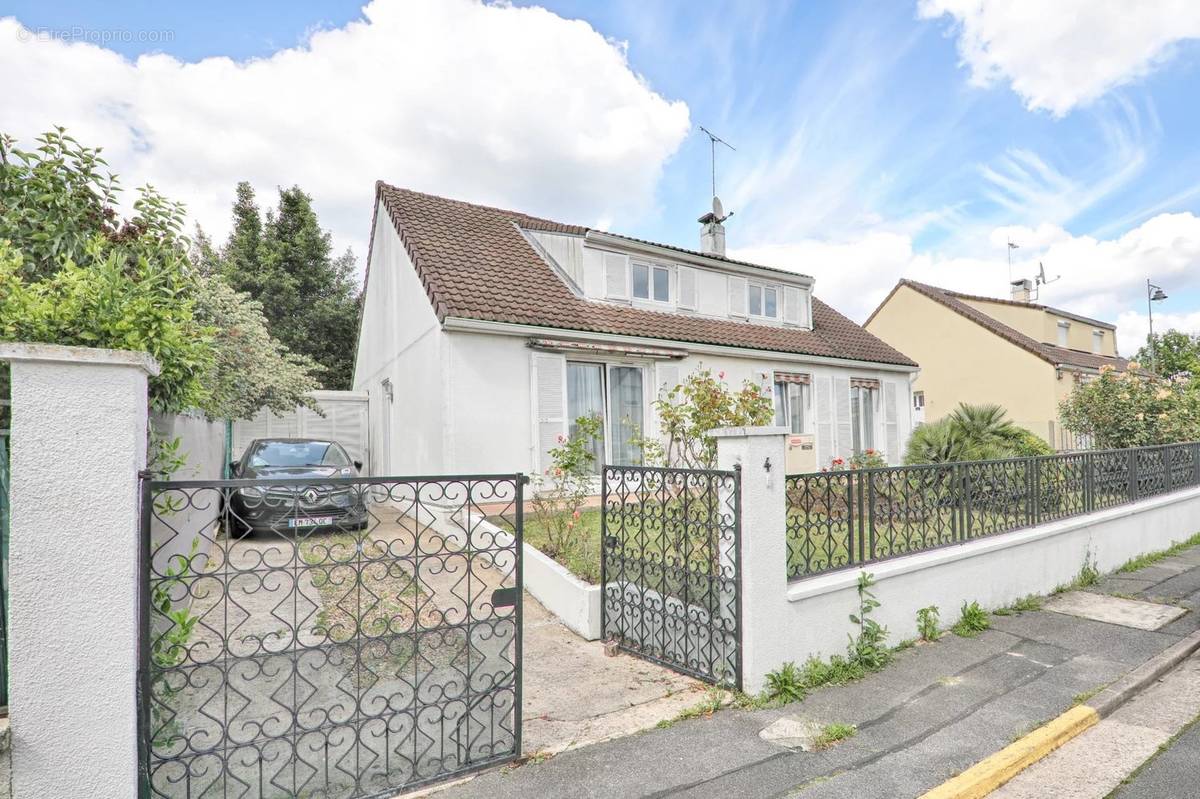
[298, 453]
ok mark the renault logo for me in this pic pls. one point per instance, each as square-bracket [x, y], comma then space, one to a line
[310, 496]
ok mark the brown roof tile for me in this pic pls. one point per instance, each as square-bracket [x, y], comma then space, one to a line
[1048, 352]
[475, 264]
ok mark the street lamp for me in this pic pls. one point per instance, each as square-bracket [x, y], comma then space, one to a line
[1153, 294]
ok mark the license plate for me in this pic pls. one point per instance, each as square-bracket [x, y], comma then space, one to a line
[310, 521]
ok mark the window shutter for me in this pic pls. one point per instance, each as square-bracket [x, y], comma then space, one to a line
[737, 296]
[891, 422]
[845, 436]
[824, 406]
[668, 377]
[550, 405]
[687, 288]
[792, 300]
[616, 276]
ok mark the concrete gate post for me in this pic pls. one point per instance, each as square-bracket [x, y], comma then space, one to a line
[78, 441]
[760, 452]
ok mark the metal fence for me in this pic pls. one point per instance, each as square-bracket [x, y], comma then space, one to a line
[334, 638]
[670, 571]
[848, 518]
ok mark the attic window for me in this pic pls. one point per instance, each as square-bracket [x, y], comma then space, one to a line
[651, 282]
[1064, 332]
[1098, 342]
[764, 301]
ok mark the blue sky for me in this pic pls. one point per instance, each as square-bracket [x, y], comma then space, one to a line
[874, 140]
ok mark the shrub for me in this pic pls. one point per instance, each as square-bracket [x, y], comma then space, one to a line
[973, 433]
[564, 488]
[691, 410]
[1134, 409]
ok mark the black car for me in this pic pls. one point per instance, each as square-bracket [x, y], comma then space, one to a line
[286, 506]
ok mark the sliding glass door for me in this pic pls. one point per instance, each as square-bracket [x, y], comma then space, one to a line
[585, 397]
[626, 411]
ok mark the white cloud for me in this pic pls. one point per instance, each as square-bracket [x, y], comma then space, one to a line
[1102, 278]
[492, 103]
[1061, 54]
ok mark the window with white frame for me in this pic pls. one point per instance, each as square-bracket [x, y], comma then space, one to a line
[614, 392]
[763, 301]
[651, 282]
[1064, 333]
[791, 401]
[863, 396]
[1098, 341]
[918, 400]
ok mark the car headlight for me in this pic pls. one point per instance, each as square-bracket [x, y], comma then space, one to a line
[250, 492]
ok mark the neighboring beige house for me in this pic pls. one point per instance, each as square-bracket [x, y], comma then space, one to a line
[1021, 355]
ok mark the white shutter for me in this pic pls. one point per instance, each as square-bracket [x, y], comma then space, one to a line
[824, 407]
[549, 405]
[667, 377]
[687, 288]
[616, 276]
[891, 423]
[737, 296]
[841, 401]
[792, 300]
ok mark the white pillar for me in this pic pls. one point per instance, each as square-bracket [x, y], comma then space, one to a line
[78, 442]
[760, 451]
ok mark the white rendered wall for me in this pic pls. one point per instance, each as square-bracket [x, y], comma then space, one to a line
[79, 427]
[784, 621]
[992, 571]
[401, 340]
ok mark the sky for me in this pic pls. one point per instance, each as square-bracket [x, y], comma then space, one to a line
[873, 140]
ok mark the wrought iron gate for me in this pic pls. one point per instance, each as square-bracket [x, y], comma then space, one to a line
[349, 637]
[670, 568]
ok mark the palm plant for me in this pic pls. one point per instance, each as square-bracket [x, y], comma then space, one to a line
[973, 433]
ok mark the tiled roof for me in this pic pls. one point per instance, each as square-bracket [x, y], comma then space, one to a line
[1048, 352]
[475, 264]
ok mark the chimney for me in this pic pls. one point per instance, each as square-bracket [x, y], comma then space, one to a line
[712, 234]
[1022, 290]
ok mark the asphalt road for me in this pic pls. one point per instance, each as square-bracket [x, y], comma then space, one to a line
[1172, 774]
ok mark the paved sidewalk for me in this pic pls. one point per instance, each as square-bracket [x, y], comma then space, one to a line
[936, 711]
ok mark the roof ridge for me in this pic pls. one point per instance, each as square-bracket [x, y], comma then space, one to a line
[962, 295]
[1041, 349]
[383, 184]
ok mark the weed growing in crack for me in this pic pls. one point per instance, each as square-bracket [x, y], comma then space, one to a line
[972, 621]
[832, 733]
[927, 623]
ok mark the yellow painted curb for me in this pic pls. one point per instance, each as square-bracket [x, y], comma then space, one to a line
[989, 774]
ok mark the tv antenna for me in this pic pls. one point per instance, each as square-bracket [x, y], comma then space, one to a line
[713, 140]
[1012, 245]
[1041, 280]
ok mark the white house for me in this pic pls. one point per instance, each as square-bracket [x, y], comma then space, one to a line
[485, 332]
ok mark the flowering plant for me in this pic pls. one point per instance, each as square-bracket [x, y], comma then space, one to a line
[565, 487]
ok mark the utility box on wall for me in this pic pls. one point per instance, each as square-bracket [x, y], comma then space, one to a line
[801, 454]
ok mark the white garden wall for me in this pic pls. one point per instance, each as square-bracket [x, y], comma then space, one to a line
[784, 621]
[993, 571]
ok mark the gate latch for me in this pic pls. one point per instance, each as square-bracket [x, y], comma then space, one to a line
[504, 597]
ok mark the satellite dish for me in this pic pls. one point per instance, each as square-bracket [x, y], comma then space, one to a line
[1041, 278]
[718, 209]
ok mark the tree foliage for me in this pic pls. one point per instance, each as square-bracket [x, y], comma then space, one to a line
[74, 272]
[691, 410]
[1171, 353]
[973, 433]
[308, 296]
[1134, 408]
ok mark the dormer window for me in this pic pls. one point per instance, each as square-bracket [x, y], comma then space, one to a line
[1064, 333]
[764, 301]
[1098, 342]
[651, 282]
